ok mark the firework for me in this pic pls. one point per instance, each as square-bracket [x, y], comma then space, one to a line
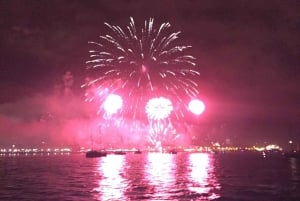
[161, 133]
[161, 129]
[158, 108]
[148, 68]
[140, 62]
[196, 106]
[112, 104]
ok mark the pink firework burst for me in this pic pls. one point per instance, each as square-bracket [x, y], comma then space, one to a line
[112, 103]
[196, 106]
[159, 108]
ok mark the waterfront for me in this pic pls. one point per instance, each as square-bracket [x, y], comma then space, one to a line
[150, 176]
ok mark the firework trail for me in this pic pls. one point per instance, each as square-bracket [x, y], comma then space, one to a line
[140, 63]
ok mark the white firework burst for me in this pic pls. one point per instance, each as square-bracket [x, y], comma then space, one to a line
[159, 108]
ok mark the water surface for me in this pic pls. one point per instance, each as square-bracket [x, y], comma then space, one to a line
[150, 176]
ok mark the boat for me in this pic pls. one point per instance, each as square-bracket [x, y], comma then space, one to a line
[294, 151]
[95, 154]
[172, 151]
[119, 152]
[137, 152]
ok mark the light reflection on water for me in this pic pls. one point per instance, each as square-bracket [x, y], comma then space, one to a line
[160, 172]
[112, 183]
[202, 175]
[294, 173]
[156, 176]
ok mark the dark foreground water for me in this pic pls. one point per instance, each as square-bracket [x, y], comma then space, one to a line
[150, 176]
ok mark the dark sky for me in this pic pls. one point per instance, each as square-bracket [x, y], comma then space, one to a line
[247, 52]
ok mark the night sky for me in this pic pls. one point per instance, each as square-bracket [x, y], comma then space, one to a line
[247, 53]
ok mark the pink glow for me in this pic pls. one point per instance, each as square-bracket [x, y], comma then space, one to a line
[113, 103]
[196, 106]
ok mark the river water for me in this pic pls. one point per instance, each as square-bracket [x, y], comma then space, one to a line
[150, 176]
